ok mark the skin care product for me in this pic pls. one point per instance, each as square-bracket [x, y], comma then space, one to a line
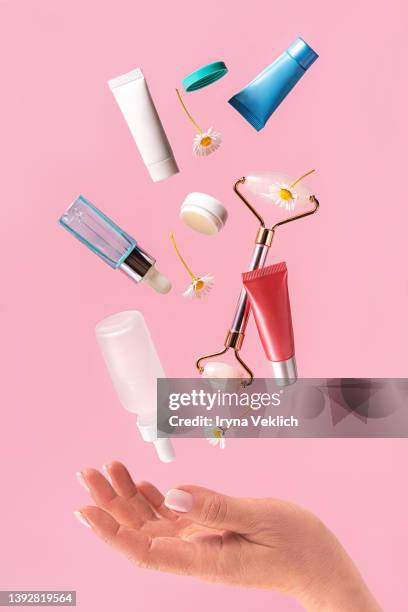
[288, 194]
[107, 240]
[134, 367]
[135, 101]
[203, 213]
[258, 100]
[268, 295]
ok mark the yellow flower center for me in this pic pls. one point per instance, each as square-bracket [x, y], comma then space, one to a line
[206, 141]
[285, 194]
[217, 433]
[198, 285]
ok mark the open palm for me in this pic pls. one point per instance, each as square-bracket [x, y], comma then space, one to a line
[265, 543]
[134, 519]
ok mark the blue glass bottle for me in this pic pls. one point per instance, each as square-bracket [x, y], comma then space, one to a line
[113, 245]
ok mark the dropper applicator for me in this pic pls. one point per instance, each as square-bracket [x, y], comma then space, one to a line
[113, 245]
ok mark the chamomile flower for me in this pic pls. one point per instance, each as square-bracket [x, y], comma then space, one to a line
[282, 191]
[200, 285]
[216, 436]
[204, 143]
[283, 195]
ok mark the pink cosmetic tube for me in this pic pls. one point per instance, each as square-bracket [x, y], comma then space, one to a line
[267, 290]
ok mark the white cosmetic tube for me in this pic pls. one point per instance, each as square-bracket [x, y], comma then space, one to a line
[135, 101]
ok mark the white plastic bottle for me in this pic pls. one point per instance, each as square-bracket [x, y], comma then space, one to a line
[134, 366]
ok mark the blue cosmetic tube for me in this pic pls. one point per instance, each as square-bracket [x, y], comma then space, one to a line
[258, 100]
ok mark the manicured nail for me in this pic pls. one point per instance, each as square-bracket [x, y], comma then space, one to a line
[105, 470]
[81, 480]
[178, 500]
[81, 518]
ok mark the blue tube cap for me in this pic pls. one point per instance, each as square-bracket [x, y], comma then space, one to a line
[204, 76]
[302, 53]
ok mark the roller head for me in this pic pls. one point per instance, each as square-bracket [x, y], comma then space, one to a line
[223, 376]
[219, 369]
[284, 191]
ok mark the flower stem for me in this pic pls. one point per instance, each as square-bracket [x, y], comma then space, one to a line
[300, 178]
[192, 276]
[188, 114]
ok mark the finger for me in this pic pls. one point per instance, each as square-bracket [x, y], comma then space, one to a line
[156, 500]
[120, 478]
[106, 498]
[213, 509]
[98, 486]
[125, 487]
[165, 554]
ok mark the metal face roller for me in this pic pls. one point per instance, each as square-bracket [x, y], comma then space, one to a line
[281, 191]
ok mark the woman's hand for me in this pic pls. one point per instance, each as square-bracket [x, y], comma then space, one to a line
[263, 543]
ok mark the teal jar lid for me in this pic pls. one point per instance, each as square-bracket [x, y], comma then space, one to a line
[204, 76]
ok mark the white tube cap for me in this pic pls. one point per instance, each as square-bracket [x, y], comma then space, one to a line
[203, 213]
[163, 169]
[157, 281]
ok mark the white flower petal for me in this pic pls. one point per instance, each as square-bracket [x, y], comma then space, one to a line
[189, 292]
[274, 191]
[199, 149]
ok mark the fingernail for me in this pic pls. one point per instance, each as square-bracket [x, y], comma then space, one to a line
[105, 470]
[178, 500]
[81, 518]
[81, 480]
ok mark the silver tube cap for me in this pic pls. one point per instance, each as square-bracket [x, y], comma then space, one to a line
[285, 372]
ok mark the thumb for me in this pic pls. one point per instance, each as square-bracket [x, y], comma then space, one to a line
[212, 509]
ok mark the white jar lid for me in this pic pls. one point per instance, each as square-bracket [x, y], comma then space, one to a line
[203, 213]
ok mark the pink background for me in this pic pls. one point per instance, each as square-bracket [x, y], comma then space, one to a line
[62, 134]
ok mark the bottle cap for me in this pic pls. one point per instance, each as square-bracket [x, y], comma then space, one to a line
[284, 372]
[157, 281]
[302, 53]
[163, 169]
[163, 446]
[203, 213]
[164, 449]
[204, 76]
